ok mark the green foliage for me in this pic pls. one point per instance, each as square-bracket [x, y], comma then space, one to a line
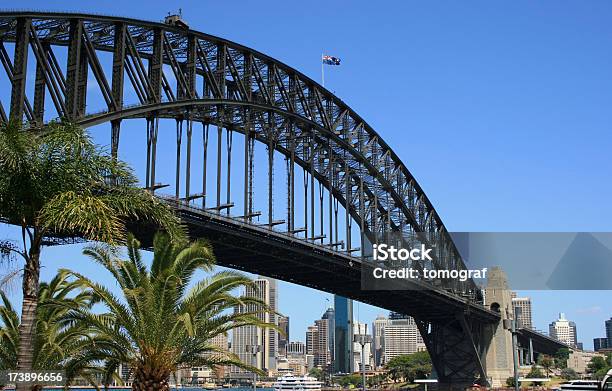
[510, 381]
[160, 324]
[376, 380]
[535, 372]
[317, 373]
[561, 358]
[56, 181]
[569, 374]
[9, 334]
[546, 362]
[348, 381]
[409, 367]
[56, 341]
[599, 366]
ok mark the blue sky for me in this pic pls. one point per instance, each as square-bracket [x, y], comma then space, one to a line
[501, 110]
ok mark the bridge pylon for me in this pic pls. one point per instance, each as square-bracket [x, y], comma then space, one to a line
[499, 359]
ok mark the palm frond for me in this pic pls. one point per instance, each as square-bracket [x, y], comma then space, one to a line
[164, 327]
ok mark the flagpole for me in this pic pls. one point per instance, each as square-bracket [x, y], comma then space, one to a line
[322, 70]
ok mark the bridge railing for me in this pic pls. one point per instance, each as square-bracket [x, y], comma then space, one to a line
[264, 227]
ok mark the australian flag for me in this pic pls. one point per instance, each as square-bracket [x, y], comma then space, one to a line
[331, 60]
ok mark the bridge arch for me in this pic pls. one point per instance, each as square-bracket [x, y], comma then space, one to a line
[227, 80]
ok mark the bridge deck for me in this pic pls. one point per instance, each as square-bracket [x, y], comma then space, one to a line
[244, 246]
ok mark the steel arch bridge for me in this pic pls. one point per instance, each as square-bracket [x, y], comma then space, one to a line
[53, 62]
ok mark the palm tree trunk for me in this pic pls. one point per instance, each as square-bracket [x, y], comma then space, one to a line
[27, 327]
[150, 379]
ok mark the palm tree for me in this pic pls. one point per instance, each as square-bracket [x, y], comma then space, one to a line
[9, 334]
[57, 340]
[164, 321]
[56, 183]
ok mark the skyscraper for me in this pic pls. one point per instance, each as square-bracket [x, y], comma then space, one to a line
[563, 330]
[317, 343]
[322, 353]
[600, 343]
[311, 339]
[283, 338]
[605, 342]
[523, 317]
[343, 334]
[609, 332]
[245, 337]
[330, 316]
[273, 318]
[378, 327]
[401, 336]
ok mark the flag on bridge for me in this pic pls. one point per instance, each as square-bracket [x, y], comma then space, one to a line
[331, 60]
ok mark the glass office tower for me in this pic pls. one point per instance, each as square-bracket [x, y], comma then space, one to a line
[343, 338]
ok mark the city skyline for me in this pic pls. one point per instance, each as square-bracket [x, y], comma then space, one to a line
[589, 319]
[588, 315]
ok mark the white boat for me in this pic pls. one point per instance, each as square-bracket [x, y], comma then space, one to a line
[297, 383]
[580, 385]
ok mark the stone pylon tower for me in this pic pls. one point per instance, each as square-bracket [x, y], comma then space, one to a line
[498, 297]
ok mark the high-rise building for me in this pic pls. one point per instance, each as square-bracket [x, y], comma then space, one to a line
[600, 343]
[273, 318]
[523, 315]
[361, 329]
[330, 316]
[378, 327]
[605, 342]
[317, 343]
[401, 336]
[343, 334]
[283, 337]
[244, 338]
[311, 339]
[563, 330]
[322, 353]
